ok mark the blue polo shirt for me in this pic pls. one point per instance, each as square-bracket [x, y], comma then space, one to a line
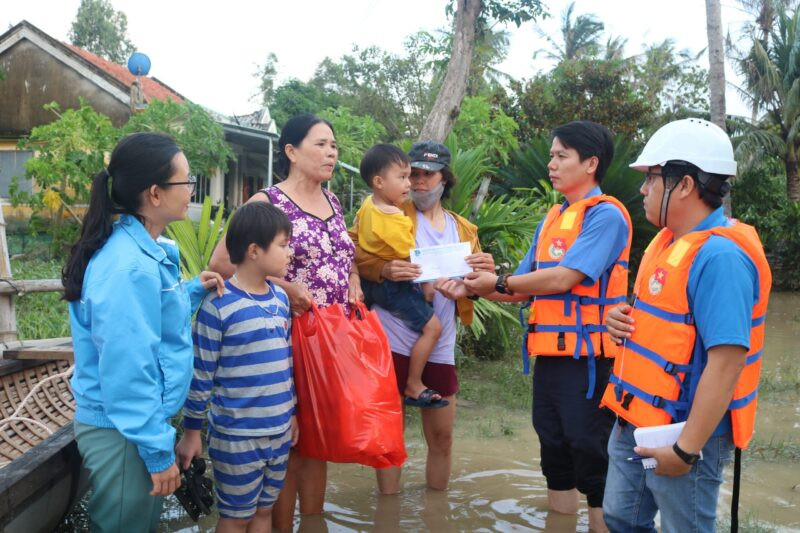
[722, 290]
[603, 237]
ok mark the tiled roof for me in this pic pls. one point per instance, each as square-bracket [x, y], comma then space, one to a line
[152, 88]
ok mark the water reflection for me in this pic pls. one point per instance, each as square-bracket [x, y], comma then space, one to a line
[497, 484]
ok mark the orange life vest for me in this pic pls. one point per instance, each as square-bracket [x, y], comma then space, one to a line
[573, 323]
[654, 377]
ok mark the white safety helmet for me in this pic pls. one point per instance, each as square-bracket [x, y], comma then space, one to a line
[693, 140]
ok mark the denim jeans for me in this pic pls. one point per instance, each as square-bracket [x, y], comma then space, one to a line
[687, 503]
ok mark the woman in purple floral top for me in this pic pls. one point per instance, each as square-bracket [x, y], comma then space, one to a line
[322, 269]
[323, 252]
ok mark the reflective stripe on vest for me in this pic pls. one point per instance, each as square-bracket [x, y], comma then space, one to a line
[572, 323]
[655, 375]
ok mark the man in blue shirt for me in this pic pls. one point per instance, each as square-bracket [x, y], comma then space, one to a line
[584, 241]
[687, 164]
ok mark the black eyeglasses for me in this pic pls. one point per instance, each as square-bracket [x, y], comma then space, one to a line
[191, 184]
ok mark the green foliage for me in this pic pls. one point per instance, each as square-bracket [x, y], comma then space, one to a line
[580, 36]
[266, 79]
[393, 89]
[197, 242]
[588, 88]
[671, 80]
[758, 198]
[200, 138]
[102, 30]
[770, 65]
[515, 11]
[481, 124]
[295, 97]
[40, 315]
[69, 152]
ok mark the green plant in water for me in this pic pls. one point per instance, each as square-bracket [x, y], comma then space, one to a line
[197, 244]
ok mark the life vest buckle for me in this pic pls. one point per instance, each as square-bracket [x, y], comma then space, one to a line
[657, 402]
[531, 328]
[670, 368]
[562, 343]
[626, 401]
[688, 319]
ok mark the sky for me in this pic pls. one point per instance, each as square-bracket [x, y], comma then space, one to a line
[210, 51]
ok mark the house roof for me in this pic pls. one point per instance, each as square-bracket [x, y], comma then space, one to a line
[152, 88]
[116, 79]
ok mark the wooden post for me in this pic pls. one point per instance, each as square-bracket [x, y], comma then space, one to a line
[8, 314]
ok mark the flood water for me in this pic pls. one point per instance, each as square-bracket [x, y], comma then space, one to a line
[497, 484]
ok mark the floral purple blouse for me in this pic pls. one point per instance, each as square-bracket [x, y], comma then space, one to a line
[323, 251]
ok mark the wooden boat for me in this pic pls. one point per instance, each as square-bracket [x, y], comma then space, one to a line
[40, 468]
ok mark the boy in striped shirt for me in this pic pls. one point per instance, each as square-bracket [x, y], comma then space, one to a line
[243, 364]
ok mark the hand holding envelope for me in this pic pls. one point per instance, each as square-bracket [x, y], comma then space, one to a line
[444, 261]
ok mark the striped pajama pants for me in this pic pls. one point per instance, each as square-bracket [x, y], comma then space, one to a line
[248, 471]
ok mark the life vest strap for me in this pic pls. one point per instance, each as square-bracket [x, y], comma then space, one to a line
[526, 360]
[738, 403]
[667, 366]
[553, 328]
[752, 358]
[758, 321]
[568, 298]
[673, 407]
[680, 318]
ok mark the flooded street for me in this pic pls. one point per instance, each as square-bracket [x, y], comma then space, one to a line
[497, 484]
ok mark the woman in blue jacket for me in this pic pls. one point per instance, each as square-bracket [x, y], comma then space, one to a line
[130, 315]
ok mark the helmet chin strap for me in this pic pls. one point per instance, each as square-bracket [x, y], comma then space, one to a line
[662, 217]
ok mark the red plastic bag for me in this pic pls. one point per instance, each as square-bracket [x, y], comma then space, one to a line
[348, 407]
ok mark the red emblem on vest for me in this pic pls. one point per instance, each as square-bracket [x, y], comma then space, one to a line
[557, 247]
[657, 281]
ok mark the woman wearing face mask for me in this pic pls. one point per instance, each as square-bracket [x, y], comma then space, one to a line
[431, 180]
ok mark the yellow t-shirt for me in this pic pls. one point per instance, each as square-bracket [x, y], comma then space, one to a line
[386, 235]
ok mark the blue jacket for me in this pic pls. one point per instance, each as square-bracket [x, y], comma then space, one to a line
[131, 331]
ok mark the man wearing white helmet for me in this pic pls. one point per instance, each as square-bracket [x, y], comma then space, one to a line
[691, 340]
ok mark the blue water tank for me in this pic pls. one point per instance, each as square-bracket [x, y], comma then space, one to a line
[139, 64]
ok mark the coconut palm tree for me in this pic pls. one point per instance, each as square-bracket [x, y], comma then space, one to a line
[771, 69]
[580, 36]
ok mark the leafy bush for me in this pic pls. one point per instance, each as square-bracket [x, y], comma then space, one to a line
[69, 152]
[196, 243]
[759, 199]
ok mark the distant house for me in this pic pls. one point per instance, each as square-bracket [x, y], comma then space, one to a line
[40, 69]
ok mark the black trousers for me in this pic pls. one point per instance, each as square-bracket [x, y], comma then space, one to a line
[573, 431]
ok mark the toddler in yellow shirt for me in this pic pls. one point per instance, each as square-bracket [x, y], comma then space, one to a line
[386, 232]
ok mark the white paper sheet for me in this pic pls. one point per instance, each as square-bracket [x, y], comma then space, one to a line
[444, 261]
[656, 437]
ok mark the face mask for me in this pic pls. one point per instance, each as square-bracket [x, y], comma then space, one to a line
[428, 199]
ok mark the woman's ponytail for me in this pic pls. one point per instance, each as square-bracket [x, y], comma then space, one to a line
[97, 226]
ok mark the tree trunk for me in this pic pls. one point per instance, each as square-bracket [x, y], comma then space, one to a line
[447, 105]
[792, 178]
[716, 73]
